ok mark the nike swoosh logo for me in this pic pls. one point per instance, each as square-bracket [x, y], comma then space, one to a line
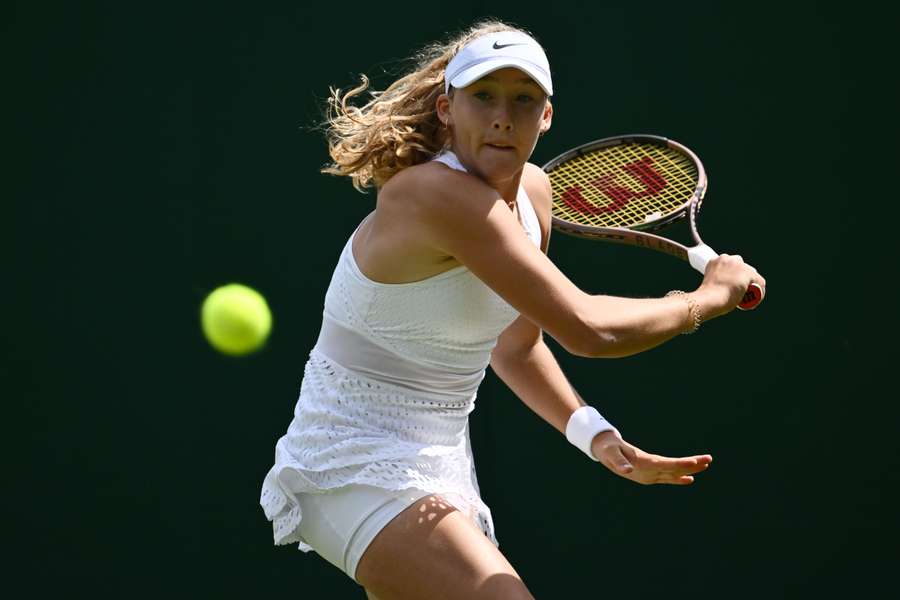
[501, 46]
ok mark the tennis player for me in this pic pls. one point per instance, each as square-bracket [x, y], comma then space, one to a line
[448, 274]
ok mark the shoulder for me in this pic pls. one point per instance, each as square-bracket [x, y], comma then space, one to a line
[433, 186]
[424, 203]
[537, 186]
[424, 182]
[536, 175]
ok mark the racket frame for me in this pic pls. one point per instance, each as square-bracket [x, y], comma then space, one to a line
[620, 234]
[640, 234]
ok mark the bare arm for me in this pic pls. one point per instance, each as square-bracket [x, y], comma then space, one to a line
[536, 378]
[527, 366]
[463, 217]
[626, 326]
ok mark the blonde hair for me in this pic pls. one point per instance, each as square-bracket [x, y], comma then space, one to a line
[399, 126]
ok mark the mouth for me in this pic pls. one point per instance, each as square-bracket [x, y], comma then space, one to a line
[501, 147]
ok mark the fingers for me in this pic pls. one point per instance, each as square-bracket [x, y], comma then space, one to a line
[700, 461]
[749, 269]
[682, 480]
[652, 469]
[634, 464]
[756, 278]
[726, 281]
[674, 479]
[688, 468]
[681, 466]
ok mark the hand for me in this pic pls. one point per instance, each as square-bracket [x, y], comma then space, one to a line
[724, 284]
[632, 463]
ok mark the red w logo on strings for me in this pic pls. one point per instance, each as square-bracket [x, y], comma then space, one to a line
[619, 196]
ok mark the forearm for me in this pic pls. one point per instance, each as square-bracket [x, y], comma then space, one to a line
[537, 379]
[626, 326]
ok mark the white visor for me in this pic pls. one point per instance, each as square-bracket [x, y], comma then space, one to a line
[496, 51]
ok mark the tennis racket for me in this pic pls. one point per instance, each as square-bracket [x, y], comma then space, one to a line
[619, 189]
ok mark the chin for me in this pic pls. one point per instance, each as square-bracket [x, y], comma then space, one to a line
[500, 166]
[498, 172]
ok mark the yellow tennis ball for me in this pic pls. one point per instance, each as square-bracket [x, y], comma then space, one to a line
[235, 319]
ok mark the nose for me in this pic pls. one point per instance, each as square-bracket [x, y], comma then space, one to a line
[502, 121]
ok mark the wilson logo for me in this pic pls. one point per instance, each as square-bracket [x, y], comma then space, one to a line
[618, 195]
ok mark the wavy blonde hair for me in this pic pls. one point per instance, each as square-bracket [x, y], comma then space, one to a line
[398, 127]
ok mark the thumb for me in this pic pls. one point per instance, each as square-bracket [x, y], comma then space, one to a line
[621, 463]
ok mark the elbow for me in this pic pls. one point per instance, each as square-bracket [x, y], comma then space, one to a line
[591, 339]
[603, 344]
[592, 342]
[604, 340]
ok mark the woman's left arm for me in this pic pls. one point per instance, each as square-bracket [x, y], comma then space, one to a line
[537, 379]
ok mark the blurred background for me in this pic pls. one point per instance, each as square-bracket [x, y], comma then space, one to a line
[157, 151]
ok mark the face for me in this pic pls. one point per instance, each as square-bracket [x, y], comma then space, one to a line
[495, 122]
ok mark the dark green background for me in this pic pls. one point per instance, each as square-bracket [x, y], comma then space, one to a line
[155, 153]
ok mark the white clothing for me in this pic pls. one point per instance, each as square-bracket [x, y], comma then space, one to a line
[341, 524]
[388, 388]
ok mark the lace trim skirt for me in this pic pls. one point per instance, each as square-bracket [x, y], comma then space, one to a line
[350, 429]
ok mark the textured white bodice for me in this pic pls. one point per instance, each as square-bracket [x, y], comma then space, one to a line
[388, 388]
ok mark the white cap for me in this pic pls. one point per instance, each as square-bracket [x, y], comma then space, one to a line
[493, 51]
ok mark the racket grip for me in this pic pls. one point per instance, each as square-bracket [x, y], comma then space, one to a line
[752, 297]
[699, 257]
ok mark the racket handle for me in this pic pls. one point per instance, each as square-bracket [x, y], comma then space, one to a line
[752, 297]
[699, 257]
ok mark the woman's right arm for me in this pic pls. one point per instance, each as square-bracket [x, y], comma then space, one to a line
[460, 215]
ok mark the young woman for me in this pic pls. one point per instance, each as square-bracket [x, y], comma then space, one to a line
[449, 274]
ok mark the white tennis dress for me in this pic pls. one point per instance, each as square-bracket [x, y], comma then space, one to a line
[388, 388]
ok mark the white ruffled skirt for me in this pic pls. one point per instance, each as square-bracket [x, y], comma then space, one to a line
[348, 428]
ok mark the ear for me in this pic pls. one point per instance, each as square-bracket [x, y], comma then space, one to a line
[547, 117]
[442, 106]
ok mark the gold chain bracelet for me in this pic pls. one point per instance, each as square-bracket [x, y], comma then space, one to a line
[693, 308]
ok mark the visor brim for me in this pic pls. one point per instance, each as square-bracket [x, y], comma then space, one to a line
[476, 72]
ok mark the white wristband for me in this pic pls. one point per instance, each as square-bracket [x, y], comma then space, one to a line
[583, 425]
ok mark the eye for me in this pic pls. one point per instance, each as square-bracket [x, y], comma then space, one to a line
[482, 95]
[525, 98]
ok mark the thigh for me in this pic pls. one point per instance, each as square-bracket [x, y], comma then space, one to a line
[340, 523]
[431, 550]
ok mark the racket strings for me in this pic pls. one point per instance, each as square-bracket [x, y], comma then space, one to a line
[627, 185]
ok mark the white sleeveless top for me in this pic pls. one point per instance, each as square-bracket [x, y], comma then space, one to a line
[388, 388]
